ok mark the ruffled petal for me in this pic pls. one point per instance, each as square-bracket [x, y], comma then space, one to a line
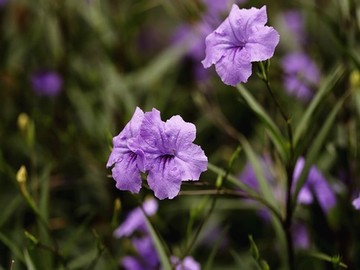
[126, 173]
[179, 133]
[115, 156]
[193, 162]
[234, 67]
[152, 133]
[262, 43]
[164, 177]
[130, 130]
[217, 43]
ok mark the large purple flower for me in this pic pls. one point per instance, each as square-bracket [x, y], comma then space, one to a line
[127, 158]
[301, 73]
[241, 39]
[171, 156]
[46, 83]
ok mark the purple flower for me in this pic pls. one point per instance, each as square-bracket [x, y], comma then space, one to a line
[147, 256]
[317, 185]
[163, 149]
[300, 236]
[240, 40]
[294, 22]
[171, 156]
[356, 203]
[248, 175]
[126, 158]
[3, 2]
[46, 83]
[188, 263]
[136, 220]
[301, 73]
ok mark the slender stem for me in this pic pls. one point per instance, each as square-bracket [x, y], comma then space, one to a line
[287, 221]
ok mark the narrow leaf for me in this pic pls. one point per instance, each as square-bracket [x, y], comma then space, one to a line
[12, 246]
[272, 130]
[265, 188]
[325, 87]
[164, 258]
[316, 146]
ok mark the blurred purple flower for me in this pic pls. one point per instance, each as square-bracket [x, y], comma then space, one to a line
[248, 176]
[171, 156]
[301, 73]
[317, 185]
[188, 263]
[300, 235]
[136, 220]
[240, 40]
[147, 258]
[46, 83]
[3, 2]
[294, 22]
[356, 203]
[126, 158]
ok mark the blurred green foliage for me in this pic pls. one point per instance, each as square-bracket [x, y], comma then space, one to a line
[116, 55]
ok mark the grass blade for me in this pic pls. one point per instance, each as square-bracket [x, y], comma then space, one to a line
[159, 246]
[325, 87]
[273, 131]
[316, 146]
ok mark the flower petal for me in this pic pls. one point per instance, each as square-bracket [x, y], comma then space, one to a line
[192, 160]
[126, 173]
[152, 133]
[261, 44]
[164, 177]
[234, 67]
[130, 130]
[178, 132]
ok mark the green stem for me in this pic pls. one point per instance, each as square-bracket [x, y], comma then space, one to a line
[287, 221]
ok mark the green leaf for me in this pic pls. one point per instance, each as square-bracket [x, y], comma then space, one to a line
[157, 67]
[265, 188]
[11, 205]
[273, 131]
[12, 246]
[249, 191]
[324, 88]
[335, 260]
[256, 255]
[28, 261]
[159, 246]
[211, 257]
[316, 147]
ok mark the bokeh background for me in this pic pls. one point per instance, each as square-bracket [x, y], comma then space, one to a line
[71, 76]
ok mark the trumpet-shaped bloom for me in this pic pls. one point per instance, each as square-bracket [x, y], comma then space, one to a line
[127, 158]
[171, 156]
[240, 40]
